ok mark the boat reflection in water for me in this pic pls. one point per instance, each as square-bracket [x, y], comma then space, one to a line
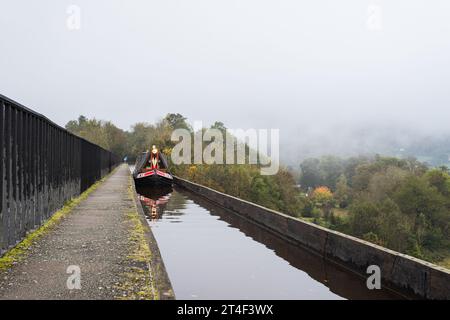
[154, 200]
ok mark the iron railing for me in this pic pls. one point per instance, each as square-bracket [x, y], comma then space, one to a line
[42, 166]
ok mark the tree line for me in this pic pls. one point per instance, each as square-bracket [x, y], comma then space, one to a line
[397, 203]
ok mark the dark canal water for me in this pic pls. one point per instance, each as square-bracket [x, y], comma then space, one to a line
[211, 253]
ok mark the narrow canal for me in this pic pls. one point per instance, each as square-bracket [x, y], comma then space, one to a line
[212, 253]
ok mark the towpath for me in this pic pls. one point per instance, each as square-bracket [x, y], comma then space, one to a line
[99, 245]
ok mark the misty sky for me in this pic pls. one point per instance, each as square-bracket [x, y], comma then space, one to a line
[302, 66]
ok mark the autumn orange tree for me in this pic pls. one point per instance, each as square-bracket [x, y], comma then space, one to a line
[322, 195]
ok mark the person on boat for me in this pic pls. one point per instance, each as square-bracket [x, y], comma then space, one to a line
[154, 158]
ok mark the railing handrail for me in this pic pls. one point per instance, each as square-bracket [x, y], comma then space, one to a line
[41, 116]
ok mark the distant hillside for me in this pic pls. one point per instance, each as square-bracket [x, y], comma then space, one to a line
[431, 148]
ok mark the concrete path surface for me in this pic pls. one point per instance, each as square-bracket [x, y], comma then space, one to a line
[97, 239]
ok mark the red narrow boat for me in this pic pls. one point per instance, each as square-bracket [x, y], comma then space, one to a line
[152, 169]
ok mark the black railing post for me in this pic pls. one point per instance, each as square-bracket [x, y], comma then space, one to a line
[3, 235]
[7, 175]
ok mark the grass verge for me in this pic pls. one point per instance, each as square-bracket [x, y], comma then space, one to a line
[138, 281]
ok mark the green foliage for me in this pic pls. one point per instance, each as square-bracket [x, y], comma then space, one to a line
[309, 210]
[440, 179]
[311, 175]
[102, 133]
[364, 218]
[372, 237]
[416, 197]
[342, 195]
[176, 121]
[277, 192]
[397, 203]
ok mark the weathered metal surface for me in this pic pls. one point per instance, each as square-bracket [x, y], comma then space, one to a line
[42, 165]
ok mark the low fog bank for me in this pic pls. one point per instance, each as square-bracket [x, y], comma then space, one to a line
[427, 144]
